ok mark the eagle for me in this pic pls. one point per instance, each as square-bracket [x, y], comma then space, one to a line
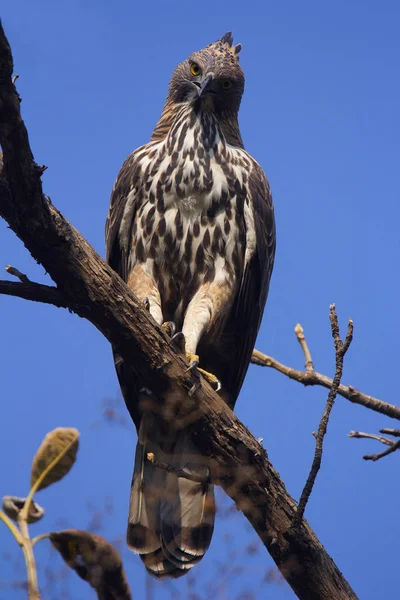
[191, 230]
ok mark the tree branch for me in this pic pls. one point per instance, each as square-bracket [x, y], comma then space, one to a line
[95, 292]
[314, 378]
[393, 446]
[341, 349]
[34, 291]
[47, 294]
[386, 452]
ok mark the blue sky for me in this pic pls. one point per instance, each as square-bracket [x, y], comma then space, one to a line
[320, 113]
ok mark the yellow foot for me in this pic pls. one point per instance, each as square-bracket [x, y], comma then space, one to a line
[212, 379]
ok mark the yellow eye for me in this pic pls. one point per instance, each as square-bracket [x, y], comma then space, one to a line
[226, 84]
[195, 69]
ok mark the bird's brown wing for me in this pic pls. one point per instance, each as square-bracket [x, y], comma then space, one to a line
[247, 312]
[125, 191]
[125, 200]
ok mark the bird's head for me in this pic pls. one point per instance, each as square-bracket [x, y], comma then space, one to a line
[210, 79]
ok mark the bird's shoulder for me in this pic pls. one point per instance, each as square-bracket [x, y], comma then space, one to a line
[127, 181]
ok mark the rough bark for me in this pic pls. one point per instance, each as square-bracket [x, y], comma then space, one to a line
[95, 292]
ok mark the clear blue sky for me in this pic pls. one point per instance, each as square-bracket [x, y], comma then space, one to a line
[321, 115]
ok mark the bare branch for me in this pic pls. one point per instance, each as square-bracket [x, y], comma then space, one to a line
[389, 431]
[370, 436]
[95, 292]
[309, 365]
[34, 291]
[315, 378]
[386, 452]
[13, 271]
[341, 349]
[393, 446]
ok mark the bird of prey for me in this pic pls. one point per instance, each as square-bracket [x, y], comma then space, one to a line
[191, 231]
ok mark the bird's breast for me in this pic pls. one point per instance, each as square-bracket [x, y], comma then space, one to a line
[189, 228]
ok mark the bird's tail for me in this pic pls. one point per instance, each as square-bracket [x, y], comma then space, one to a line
[171, 518]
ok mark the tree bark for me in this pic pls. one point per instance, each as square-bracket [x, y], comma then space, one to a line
[93, 291]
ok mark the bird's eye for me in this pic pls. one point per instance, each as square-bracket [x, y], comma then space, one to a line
[195, 69]
[226, 84]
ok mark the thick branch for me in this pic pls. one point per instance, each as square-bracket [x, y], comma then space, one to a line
[96, 293]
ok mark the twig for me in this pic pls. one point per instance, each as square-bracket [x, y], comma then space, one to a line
[389, 431]
[341, 349]
[13, 271]
[178, 472]
[371, 436]
[34, 291]
[302, 341]
[14, 530]
[38, 538]
[315, 378]
[395, 446]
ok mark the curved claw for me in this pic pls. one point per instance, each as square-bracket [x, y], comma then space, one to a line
[178, 341]
[169, 328]
[194, 361]
[146, 303]
[211, 378]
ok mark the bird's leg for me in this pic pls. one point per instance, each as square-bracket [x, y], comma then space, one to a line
[209, 303]
[143, 286]
[179, 342]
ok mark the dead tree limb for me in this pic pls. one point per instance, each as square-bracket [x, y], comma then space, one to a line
[95, 292]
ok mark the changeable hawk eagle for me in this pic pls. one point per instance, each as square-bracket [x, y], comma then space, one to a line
[191, 230]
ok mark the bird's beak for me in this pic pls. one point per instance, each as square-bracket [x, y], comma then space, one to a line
[206, 86]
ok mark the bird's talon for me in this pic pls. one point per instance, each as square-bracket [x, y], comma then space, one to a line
[146, 303]
[178, 341]
[212, 379]
[193, 361]
[169, 328]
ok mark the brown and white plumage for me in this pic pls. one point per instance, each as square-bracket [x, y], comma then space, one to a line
[191, 229]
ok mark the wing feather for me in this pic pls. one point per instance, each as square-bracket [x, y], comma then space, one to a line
[259, 261]
[123, 207]
[121, 214]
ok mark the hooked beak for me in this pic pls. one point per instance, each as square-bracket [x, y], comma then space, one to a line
[206, 86]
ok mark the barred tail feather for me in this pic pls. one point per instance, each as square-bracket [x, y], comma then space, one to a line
[187, 508]
[148, 485]
[171, 519]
